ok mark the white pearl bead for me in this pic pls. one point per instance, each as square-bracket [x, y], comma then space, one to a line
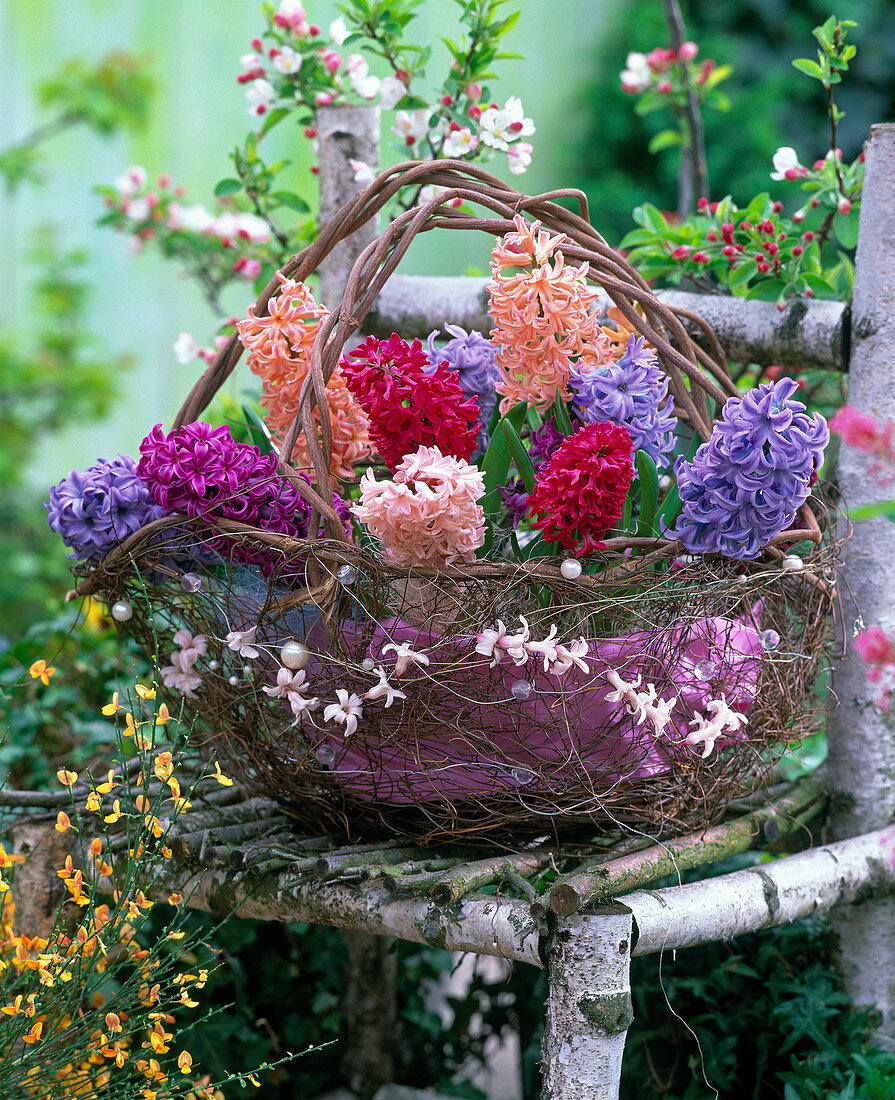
[122, 610]
[792, 563]
[368, 664]
[233, 681]
[295, 655]
[571, 569]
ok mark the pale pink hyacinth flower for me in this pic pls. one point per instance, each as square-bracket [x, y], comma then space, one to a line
[429, 513]
[287, 681]
[346, 711]
[644, 706]
[241, 642]
[191, 648]
[404, 655]
[383, 690]
[723, 720]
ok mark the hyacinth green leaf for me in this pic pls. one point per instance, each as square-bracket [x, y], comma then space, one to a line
[258, 431]
[671, 505]
[520, 456]
[562, 418]
[649, 493]
[495, 467]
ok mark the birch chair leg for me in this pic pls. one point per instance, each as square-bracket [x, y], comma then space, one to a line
[588, 1005]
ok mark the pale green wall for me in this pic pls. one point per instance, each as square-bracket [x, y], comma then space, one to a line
[141, 303]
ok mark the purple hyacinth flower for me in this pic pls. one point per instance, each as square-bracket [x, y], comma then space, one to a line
[515, 500]
[543, 441]
[632, 393]
[474, 358]
[746, 484]
[95, 510]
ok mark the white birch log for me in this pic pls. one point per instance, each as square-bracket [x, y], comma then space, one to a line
[844, 874]
[484, 924]
[345, 133]
[806, 334]
[862, 739]
[588, 1005]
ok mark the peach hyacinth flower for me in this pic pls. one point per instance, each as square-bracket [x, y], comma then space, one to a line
[429, 514]
[279, 347]
[543, 316]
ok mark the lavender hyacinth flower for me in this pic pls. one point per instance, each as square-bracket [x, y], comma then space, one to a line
[474, 358]
[632, 393]
[95, 510]
[746, 484]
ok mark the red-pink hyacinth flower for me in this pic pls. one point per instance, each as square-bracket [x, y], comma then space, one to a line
[409, 404]
[581, 491]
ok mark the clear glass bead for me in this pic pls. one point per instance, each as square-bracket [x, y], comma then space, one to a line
[705, 670]
[346, 574]
[368, 664]
[191, 582]
[325, 756]
[769, 639]
[522, 776]
[521, 689]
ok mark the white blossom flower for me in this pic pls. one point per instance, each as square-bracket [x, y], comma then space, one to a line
[240, 641]
[363, 173]
[519, 157]
[137, 210]
[364, 85]
[184, 348]
[636, 75]
[411, 128]
[260, 94]
[459, 142]
[346, 711]
[131, 180]
[287, 61]
[786, 164]
[432, 191]
[194, 219]
[391, 92]
[499, 126]
[384, 688]
[404, 654]
[338, 31]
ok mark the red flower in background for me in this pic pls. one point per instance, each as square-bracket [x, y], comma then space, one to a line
[409, 407]
[581, 491]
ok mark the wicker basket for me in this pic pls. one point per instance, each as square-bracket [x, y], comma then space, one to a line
[476, 750]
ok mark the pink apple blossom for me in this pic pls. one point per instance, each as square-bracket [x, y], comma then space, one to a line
[519, 157]
[391, 92]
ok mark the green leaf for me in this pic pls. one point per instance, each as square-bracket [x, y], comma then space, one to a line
[665, 139]
[845, 226]
[808, 67]
[768, 290]
[871, 511]
[638, 236]
[742, 274]
[650, 217]
[561, 416]
[649, 493]
[818, 285]
[496, 464]
[258, 431]
[520, 456]
[290, 199]
[226, 188]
